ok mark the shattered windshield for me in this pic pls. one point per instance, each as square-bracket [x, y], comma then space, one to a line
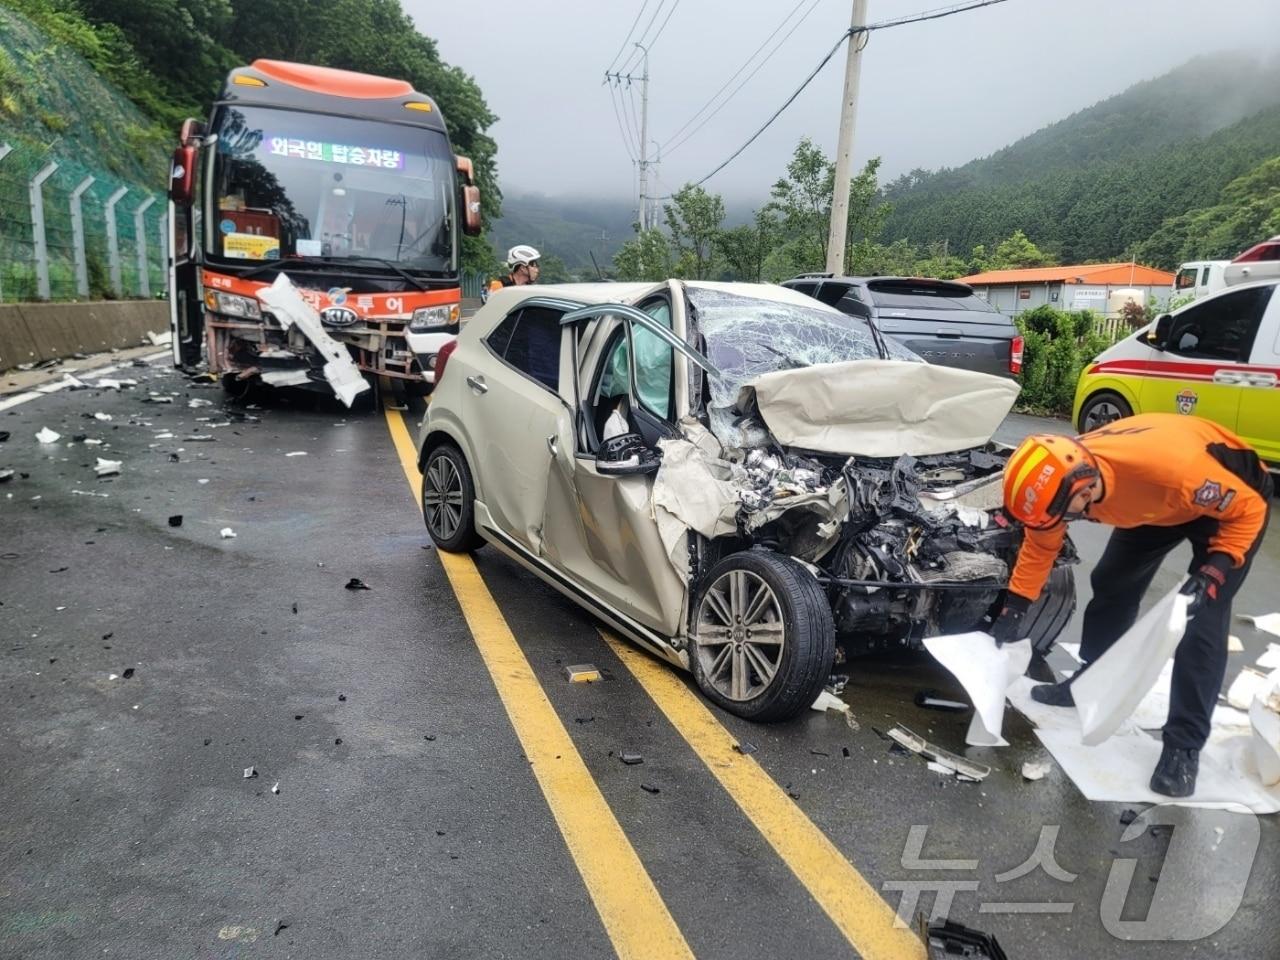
[748, 336]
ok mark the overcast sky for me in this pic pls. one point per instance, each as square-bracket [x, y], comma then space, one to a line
[933, 94]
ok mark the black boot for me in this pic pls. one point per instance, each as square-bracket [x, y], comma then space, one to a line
[1054, 694]
[1175, 774]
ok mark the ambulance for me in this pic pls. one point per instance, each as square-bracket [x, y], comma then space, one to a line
[1217, 358]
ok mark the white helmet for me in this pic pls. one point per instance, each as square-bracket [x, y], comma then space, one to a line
[522, 253]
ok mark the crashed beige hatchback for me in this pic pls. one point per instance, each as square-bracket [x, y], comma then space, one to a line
[744, 481]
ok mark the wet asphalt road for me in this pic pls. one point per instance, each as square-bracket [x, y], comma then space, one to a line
[130, 830]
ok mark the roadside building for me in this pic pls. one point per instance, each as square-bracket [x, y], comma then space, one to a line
[1095, 286]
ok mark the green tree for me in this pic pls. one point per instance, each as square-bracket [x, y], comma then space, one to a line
[553, 270]
[694, 217]
[745, 248]
[867, 215]
[647, 256]
[1017, 251]
[802, 200]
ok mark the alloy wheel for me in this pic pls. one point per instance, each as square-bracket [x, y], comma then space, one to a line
[1100, 414]
[740, 636]
[442, 497]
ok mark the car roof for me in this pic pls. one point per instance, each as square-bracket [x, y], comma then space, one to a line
[588, 293]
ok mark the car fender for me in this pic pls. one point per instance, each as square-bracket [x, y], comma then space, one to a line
[1126, 385]
[444, 427]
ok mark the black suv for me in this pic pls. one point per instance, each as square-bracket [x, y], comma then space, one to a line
[943, 321]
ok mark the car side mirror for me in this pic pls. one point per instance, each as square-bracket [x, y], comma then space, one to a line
[1158, 336]
[627, 455]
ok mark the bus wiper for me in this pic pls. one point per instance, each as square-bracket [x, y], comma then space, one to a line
[273, 265]
[386, 263]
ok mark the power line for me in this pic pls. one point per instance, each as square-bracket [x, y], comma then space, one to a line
[746, 63]
[664, 23]
[935, 14]
[626, 142]
[748, 77]
[630, 62]
[639, 14]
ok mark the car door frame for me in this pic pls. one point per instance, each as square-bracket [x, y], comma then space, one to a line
[1260, 396]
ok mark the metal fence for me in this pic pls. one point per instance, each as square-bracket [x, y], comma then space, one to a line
[71, 232]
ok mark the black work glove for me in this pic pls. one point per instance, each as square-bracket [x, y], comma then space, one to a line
[1203, 585]
[1008, 626]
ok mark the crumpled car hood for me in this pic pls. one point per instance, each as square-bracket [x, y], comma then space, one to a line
[879, 408]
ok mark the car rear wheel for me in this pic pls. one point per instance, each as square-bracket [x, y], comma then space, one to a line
[1102, 408]
[1049, 615]
[764, 639]
[448, 500]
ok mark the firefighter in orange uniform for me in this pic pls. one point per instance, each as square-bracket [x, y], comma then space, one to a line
[1158, 479]
[522, 264]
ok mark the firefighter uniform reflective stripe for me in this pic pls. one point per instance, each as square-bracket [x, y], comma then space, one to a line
[1163, 470]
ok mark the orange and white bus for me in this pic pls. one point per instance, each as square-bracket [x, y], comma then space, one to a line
[345, 182]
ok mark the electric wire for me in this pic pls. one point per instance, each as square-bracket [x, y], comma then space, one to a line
[626, 142]
[633, 59]
[639, 14]
[664, 24]
[935, 14]
[746, 63]
[813, 6]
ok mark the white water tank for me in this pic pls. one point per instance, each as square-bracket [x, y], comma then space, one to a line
[1116, 299]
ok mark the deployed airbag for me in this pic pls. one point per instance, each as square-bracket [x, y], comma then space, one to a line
[880, 408]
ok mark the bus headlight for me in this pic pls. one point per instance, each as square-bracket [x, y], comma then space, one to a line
[233, 305]
[431, 318]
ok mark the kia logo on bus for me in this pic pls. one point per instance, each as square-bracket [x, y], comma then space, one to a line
[339, 316]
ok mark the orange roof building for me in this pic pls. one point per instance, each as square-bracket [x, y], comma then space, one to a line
[1085, 286]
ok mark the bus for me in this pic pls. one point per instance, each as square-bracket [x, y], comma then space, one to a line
[346, 183]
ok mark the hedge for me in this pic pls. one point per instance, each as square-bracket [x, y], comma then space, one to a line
[1057, 345]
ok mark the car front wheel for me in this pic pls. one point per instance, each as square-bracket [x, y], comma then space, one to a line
[764, 639]
[1102, 408]
[448, 500]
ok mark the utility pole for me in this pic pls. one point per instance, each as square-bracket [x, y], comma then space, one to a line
[644, 140]
[839, 229]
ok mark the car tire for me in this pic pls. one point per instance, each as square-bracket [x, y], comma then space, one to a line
[780, 598]
[448, 500]
[1102, 408]
[1049, 615]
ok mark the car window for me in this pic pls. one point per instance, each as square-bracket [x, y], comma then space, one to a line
[1186, 279]
[893, 295]
[831, 293]
[532, 344]
[1221, 328]
[1204, 277]
[852, 303]
[806, 287]
[653, 365]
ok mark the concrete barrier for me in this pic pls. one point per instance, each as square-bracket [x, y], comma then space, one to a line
[32, 332]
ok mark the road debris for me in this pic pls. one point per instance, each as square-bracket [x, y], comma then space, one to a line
[48, 436]
[1035, 770]
[102, 416]
[650, 788]
[355, 583]
[6, 475]
[930, 700]
[127, 673]
[275, 787]
[290, 310]
[200, 438]
[1128, 817]
[630, 758]
[581, 673]
[226, 533]
[945, 938]
[250, 772]
[175, 520]
[919, 745]
[745, 747]
[281, 924]
[296, 453]
[195, 403]
[107, 468]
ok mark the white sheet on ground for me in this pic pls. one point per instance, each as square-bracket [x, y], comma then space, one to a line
[1268, 622]
[1270, 659]
[1152, 712]
[290, 309]
[880, 408]
[1264, 718]
[1109, 691]
[986, 672]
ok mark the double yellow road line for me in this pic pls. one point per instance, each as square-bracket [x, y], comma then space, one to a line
[633, 913]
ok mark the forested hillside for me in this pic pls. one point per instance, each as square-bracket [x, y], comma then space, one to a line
[170, 57]
[1099, 183]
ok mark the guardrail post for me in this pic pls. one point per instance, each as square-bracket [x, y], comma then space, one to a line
[140, 240]
[163, 228]
[113, 241]
[41, 249]
[5, 150]
[77, 237]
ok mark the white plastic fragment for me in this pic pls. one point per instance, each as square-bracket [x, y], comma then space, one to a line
[275, 787]
[202, 481]
[1033, 771]
[296, 453]
[110, 383]
[93, 442]
[48, 436]
[196, 402]
[107, 468]
[250, 773]
[939, 768]
[226, 533]
[113, 676]
[291, 310]
[89, 493]
[160, 339]
[1268, 622]
[102, 416]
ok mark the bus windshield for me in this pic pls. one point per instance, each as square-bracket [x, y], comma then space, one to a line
[303, 185]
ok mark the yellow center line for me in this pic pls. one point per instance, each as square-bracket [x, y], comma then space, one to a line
[856, 908]
[633, 913]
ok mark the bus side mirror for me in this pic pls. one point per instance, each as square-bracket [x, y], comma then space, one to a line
[1158, 336]
[466, 170]
[472, 224]
[182, 176]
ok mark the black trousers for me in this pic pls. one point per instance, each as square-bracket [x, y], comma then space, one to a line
[1119, 581]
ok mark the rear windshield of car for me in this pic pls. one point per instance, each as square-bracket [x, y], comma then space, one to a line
[897, 295]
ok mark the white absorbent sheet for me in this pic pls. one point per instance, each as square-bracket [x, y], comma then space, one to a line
[985, 671]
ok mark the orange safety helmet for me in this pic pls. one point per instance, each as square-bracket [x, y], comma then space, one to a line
[1043, 476]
